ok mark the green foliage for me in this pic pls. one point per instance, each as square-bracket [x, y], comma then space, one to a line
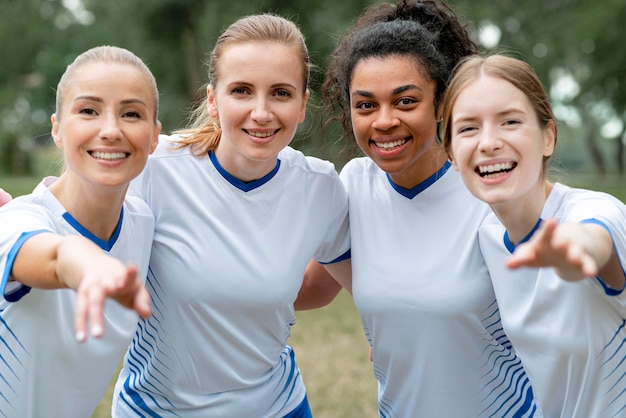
[581, 37]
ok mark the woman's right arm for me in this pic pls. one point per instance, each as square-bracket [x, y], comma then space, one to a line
[322, 283]
[51, 261]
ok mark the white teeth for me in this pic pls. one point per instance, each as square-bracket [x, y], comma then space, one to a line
[483, 169]
[108, 155]
[389, 145]
[261, 134]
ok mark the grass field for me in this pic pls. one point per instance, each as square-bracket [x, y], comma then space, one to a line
[329, 343]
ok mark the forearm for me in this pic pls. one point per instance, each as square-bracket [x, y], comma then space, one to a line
[49, 261]
[319, 287]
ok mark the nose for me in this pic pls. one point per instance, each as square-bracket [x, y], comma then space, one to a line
[110, 128]
[489, 139]
[261, 112]
[385, 119]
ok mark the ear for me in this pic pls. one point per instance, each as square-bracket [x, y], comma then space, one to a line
[211, 102]
[155, 136]
[305, 100]
[549, 139]
[453, 163]
[55, 131]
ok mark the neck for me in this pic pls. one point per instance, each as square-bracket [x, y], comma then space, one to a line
[96, 208]
[519, 216]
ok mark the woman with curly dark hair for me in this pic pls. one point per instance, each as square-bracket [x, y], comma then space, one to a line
[418, 279]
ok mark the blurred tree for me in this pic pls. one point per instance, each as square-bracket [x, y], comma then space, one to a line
[576, 46]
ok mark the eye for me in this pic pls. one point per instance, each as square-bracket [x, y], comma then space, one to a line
[512, 122]
[364, 106]
[465, 129]
[406, 101]
[283, 93]
[87, 111]
[239, 90]
[132, 114]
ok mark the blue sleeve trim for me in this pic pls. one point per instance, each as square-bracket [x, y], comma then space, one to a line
[344, 256]
[16, 294]
[609, 291]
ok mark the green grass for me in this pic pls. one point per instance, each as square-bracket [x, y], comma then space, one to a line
[330, 346]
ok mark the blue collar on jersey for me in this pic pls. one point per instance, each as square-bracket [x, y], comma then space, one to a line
[245, 186]
[105, 245]
[510, 246]
[411, 193]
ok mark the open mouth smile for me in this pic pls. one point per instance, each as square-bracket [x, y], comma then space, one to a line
[258, 134]
[490, 171]
[109, 156]
[390, 145]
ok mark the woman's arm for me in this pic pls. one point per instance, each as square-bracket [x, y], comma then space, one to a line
[322, 283]
[574, 250]
[51, 261]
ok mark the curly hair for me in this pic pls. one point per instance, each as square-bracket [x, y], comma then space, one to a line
[426, 30]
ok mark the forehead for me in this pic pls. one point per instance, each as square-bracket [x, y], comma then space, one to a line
[490, 90]
[381, 73]
[250, 61]
[103, 79]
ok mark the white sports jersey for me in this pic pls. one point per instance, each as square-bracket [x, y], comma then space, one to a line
[426, 300]
[226, 266]
[44, 371]
[571, 336]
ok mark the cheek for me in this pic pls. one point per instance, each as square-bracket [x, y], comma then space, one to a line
[459, 153]
[360, 128]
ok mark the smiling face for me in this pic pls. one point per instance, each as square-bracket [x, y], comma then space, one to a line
[259, 100]
[106, 125]
[393, 118]
[497, 143]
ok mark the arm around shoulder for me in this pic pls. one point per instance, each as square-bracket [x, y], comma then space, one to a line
[322, 283]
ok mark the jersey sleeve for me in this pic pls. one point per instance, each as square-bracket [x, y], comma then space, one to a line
[336, 244]
[18, 223]
[609, 212]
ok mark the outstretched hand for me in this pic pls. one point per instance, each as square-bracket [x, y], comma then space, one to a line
[112, 280]
[565, 247]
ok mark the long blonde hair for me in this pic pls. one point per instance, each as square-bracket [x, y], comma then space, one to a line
[204, 131]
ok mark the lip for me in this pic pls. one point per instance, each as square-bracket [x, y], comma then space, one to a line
[495, 169]
[109, 155]
[390, 145]
[261, 136]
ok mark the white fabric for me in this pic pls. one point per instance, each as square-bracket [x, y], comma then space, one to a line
[44, 372]
[426, 300]
[225, 269]
[571, 336]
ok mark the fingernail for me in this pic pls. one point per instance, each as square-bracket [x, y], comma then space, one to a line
[80, 336]
[96, 331]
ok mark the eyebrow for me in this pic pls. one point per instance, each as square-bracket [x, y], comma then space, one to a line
[394, 92]
[247, 84]
[507, 111]
[99, 100]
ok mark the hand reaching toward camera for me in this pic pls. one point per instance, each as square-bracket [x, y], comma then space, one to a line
[574, 250]
[122, 286]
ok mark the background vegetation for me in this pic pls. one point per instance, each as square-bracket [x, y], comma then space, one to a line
[576, 46]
